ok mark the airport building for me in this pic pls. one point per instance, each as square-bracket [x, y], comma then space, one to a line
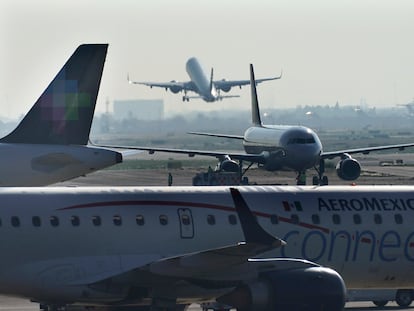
[140, 109]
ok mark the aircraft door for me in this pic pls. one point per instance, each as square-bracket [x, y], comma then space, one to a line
[186, 223]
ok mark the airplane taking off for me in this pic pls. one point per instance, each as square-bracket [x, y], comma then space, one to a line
[252, 248]
[274, 147]
[207, 89]
[50, 143]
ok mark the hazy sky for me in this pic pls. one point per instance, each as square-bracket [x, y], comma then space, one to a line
[350, 51]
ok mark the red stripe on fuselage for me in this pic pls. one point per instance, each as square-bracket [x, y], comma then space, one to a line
[190, 204]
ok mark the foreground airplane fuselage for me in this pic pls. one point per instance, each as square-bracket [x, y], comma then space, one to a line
[101, 245]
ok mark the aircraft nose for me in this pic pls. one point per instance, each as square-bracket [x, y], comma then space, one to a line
[302, 157]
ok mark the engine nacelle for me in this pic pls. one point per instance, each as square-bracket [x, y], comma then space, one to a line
[229, 165]
[175, 89]
[314, 288]
[348, 169]
[226, 88]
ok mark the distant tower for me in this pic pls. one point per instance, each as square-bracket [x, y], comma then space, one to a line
[105, 118]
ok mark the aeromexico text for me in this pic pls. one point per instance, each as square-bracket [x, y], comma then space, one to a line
[365, 204]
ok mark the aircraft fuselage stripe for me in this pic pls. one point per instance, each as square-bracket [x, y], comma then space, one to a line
[191, 204]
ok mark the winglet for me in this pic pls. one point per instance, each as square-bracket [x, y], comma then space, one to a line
[63, 113]
[253, 232]
[255, 103]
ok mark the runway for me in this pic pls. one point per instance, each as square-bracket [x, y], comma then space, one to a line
[13, 304]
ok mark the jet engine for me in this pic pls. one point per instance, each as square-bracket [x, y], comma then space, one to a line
[314, 288]
[175, 89]
[348, 168]
[228, 165]
[226, 88]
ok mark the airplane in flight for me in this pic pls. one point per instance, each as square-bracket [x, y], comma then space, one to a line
[51, 142]
[206, 88]
[250, 247]
[274, 147]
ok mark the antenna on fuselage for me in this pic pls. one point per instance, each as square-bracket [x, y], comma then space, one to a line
[255, 103]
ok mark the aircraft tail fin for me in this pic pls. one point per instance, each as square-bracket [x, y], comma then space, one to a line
[255, 103]
[63, 113]
[211, 80]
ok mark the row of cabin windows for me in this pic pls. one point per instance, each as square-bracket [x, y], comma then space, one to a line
[186, 220]
[116, 220]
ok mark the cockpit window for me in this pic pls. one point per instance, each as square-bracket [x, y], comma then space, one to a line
[301, 141]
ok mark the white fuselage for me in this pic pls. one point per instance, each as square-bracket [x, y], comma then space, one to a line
[39, 165]
[200, 80]
[55, 241]
[300, 145]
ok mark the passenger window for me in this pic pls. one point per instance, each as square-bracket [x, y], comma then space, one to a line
[75, 221]
[163, 220]
[211, 220]
[274, 219]
[15, 221]
[117, 220]
[232, 220]
[336, 219]
[36, 221]
[398, 219]
[357, 219]
[315, 219]
[140, 220]
[54, 221]
[295, 219]
[377, 219]
[96, 220]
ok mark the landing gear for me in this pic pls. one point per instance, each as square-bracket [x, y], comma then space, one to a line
[185, 97]
[301, 178]
[321, 179]
[380, 303]
[404, 297]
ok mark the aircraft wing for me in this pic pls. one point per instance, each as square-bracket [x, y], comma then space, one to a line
[172, 85]
[256, 158]
[217, 135]
[226, 84]
[366, 150]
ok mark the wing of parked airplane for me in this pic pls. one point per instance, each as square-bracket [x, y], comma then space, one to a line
[258, 158]
[340, 153]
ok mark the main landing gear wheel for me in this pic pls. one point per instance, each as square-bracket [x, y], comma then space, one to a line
[380, 303]
[404, 297]
[322, 182]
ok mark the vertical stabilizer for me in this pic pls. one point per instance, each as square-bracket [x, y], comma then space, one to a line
[63, 114]
[255, 104]
[211, 80]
